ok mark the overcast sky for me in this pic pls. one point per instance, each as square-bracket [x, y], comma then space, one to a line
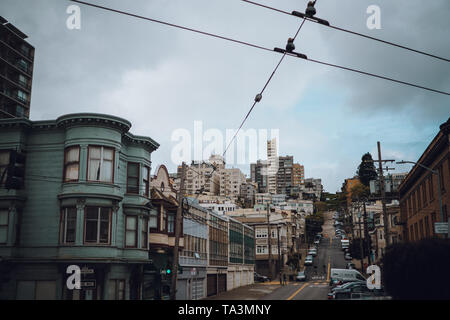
[163, 79]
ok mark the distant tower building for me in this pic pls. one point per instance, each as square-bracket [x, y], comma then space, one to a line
[16, 71]
[272, 169]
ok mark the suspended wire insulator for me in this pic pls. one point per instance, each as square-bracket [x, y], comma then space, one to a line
[290, 45]
[258, 97]
[310, 10]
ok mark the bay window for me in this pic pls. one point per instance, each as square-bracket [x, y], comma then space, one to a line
[144, 233]
[146, 178]
[153, 221]
[131, 232]
[97, 225]
[100, 164]
[133, 177]
[4, 162]
[171, 222]
[3, 226]
[68, 225]
[72, 163]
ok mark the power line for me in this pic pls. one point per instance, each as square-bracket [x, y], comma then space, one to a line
[267, 49]
[351, 32]
[171, 25]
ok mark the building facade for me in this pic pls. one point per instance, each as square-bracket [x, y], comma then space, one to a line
[191, 281]
[419, 192]
[16, 71]
[83, 202]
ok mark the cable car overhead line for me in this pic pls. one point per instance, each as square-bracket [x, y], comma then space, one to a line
[351, 32]
[171, 25]
[262, 91]
[266, 49]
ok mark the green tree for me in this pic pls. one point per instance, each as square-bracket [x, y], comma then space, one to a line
[366, 170]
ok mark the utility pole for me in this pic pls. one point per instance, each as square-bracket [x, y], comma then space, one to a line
[383, 196]
[279, 251]
[269, 241]
[361, 241]
[367, 236]
[179, 216]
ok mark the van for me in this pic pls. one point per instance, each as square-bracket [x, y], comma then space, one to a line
[340, 276]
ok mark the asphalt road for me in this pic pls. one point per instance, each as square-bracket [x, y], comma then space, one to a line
[316, 287]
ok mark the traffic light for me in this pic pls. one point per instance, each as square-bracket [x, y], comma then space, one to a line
[15, 171]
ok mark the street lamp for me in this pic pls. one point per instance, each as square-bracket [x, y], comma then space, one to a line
[436, 172]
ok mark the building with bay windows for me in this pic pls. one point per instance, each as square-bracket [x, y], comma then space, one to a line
[84, 202]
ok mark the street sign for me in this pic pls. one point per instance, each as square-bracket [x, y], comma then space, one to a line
[87, 271]
[91, 284]
[441, 227]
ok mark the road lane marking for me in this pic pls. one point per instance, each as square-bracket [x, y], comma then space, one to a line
[296, 292]
[328, 272]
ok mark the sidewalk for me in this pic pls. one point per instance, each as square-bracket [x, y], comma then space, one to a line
[254, 291]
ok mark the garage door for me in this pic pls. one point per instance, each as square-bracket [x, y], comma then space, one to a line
[212, 284]
[222, 283]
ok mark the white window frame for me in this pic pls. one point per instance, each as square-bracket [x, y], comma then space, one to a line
[102, 149]
[64, 225]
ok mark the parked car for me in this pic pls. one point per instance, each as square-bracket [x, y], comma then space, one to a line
[317, 241]
[301, 276]
[312, 252]
[351, 265]
[260, 278]
[309, 260]
[347, 256]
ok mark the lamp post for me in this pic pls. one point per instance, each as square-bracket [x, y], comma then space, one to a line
[436, 172]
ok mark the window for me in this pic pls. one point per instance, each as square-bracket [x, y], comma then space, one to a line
[433, 220]
[4, 162]
[100, 164]
[427, 227]
[419, 198]
[421, 228]
[71, 163]
[153, 221]
[68, 225]
[171, 222]
[97, 225]
[424, 193]
[430, 183]
[146, 178]
[3, 226]
[261, 233]
[131, 231]
[144, 233]
[116, 290]
[416, 232]
[133, 177]
[261, 249]
[441, 177]
[22, 96]
[411, 233]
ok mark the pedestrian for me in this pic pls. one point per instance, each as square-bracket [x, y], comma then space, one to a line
[284, 278]
[281, 279]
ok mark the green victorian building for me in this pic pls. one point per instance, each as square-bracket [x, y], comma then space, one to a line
[74, 191]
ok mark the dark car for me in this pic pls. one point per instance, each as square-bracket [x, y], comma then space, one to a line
[260, 278]
[346, 291]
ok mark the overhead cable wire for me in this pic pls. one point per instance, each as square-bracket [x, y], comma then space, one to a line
[267, 49]
[352, 32]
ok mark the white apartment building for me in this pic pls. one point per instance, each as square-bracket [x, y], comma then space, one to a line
[230, 182]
